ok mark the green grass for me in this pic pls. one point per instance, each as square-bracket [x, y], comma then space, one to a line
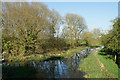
[92, 68]
[83, 43]
[119, 74]
[109, 64]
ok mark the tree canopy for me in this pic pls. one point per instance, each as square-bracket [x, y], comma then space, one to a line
[30, 28]
[112, 39]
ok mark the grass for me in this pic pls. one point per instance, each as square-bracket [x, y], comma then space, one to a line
[40, 57]
[92, 68]
[109, 64]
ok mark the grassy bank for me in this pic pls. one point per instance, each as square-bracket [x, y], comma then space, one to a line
[98, 65]
[44, 56]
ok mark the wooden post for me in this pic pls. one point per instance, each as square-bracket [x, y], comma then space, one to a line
[115, 59]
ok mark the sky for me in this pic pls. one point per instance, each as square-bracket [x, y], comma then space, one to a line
[95, 14]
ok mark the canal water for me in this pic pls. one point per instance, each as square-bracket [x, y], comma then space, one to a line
[52, 68]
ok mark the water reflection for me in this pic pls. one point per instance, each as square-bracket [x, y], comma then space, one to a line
[59, 68]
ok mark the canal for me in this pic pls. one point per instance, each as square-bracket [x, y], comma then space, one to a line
[50, 68]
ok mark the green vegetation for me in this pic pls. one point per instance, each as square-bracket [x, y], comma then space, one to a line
[111, 41]
[91, 38]
[50, 55]
[109, 63]
[99, 65]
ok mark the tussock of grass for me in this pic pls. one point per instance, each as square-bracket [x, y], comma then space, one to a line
[91, 66]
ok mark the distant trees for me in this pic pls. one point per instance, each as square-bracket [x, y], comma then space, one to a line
[97, 37]
[87, 37]
[112, 39]
[92, 38]
[74, 25]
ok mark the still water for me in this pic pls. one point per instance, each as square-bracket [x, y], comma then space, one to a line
[52, 68]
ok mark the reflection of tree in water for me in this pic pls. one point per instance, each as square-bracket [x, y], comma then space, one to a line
[73, 65]
[16, 70]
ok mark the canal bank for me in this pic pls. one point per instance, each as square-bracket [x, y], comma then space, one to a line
[44, 56]
[99, 65]
[52, 68]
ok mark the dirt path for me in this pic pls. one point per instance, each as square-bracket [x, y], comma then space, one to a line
[102, 65]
